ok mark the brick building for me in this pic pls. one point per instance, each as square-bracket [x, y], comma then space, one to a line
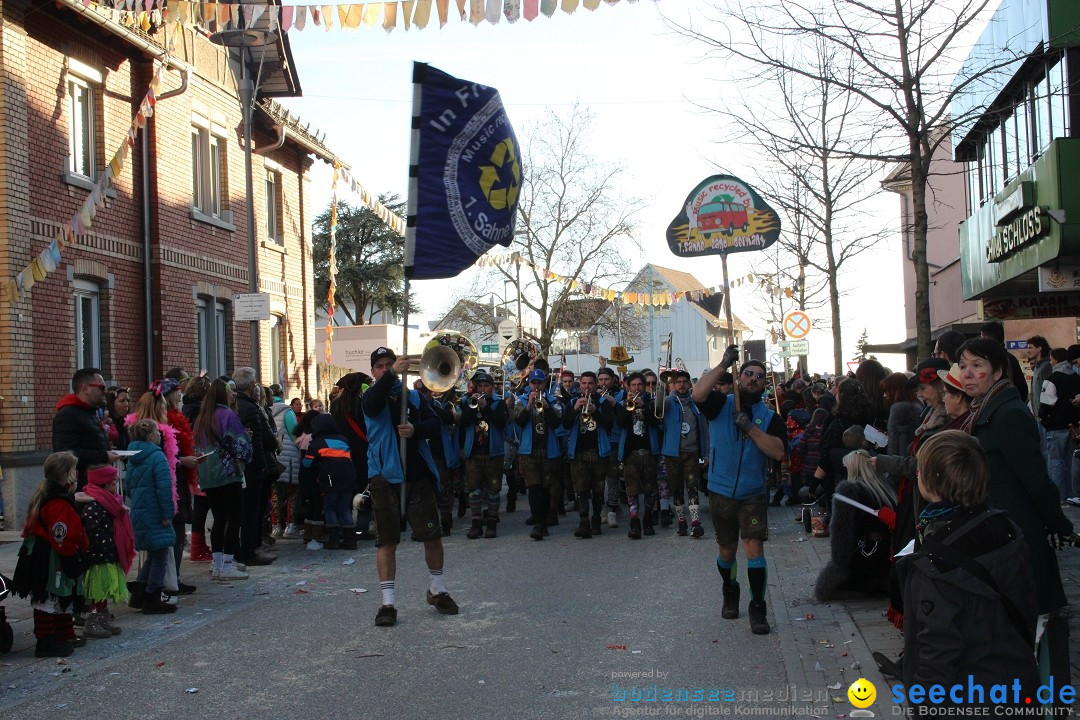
[150, 285]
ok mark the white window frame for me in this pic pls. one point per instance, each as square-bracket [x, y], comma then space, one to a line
[207, 171]
[277, 325]
[272, 208]
[82, 119]
[211, 340]
[87, 297]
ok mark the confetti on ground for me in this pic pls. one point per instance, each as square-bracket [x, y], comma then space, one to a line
[348, 561]
[192, 691]
[635, 652]
[358, 591]
[302, 582]
[834, 686]
[809, 616]
[160, 664]
[301, 591]
[616, 647]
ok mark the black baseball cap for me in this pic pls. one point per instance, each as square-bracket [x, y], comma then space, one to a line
[380, 353]
[480, 376]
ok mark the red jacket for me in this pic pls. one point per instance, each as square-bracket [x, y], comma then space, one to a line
[60, 524]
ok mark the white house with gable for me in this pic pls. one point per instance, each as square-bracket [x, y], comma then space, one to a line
[698, 328]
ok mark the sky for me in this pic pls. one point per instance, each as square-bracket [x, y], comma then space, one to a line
[641, 81]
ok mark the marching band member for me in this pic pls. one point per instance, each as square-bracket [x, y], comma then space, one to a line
[638, 451]
[445, 452]
[742, 443]
[561, 489]
[608, 387]
[483, 423]
[685, 448]
[538, 415]
[382, 413]
[588, 448]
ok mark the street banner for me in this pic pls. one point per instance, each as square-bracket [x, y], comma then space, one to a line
[722, 215]
[464, 175]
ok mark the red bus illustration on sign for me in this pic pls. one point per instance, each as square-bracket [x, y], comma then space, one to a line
[722, 215]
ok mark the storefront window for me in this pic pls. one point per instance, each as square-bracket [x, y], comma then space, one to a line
[1059, 100]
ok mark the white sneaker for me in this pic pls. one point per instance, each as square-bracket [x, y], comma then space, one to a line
[1075, 501]
[231, 573]
[314, 545]
[277, 533]
[612, 522]
[167, 598]
[293, 532]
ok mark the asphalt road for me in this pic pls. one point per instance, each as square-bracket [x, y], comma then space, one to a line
[546, 629]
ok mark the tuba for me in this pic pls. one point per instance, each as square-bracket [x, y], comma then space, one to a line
[447, 361]
[516, 357]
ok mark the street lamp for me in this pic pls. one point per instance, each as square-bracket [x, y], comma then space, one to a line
[244, 39]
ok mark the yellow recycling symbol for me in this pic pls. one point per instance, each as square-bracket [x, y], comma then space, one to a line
[501, 180]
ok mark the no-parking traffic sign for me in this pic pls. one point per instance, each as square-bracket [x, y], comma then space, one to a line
[796, 325]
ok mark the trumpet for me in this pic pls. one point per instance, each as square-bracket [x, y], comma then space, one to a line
[588, 422]
[474, 401]
[634, 402]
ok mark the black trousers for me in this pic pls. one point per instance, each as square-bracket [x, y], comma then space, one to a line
[253, 509]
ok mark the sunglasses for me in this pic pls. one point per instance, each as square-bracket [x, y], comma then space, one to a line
[752, 374]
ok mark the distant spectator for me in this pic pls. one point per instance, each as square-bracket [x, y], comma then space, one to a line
[994, 330]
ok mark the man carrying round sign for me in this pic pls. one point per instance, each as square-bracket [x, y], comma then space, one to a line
[743, 437]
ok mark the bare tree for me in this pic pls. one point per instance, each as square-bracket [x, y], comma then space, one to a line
[902, 57]
[573, 220]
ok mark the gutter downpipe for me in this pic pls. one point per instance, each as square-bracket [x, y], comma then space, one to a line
[148, 291]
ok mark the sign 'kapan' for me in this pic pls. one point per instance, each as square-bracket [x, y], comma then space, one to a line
[722, 215]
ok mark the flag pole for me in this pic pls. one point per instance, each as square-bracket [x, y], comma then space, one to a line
[730, 325]
[404, 418]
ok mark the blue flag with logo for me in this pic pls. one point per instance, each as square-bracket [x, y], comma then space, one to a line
[464, 176]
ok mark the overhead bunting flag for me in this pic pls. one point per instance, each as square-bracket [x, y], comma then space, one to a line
[765, 283]
[722, 215]
[214, 16]
[464, 177]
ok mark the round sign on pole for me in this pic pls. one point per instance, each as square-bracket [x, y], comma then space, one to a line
[796, 325]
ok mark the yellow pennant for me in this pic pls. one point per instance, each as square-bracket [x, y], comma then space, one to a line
[569, 6]
[372, 11]
[407, 12]
[389, 16]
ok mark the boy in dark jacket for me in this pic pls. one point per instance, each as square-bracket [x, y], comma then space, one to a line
[326, 468]
[969, 595]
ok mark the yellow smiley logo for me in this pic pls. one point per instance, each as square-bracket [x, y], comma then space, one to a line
[862, 693]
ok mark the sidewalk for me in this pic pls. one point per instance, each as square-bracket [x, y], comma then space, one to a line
[826, 644]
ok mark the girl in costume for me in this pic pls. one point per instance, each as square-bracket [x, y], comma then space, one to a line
[50, 566]
[107, 524]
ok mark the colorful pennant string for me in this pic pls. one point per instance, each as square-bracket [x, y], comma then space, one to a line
[217, 16]
[627, 297]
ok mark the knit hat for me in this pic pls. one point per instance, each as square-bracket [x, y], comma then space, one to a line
[102, 476]
[1072, 353]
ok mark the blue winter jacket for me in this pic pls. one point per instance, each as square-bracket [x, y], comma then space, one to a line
[150, 485]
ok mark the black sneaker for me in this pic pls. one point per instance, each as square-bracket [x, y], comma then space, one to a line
[635, 529]
[758, 624]
[443, 603]
[649, 530]
[584, 531]
[730, 608]
[665, 518]
[184, 588]
[79, 618]
[596, 525]
[697, 531]
[683, 530]
[386, 616]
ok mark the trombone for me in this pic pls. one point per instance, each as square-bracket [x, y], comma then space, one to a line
[664, 376]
